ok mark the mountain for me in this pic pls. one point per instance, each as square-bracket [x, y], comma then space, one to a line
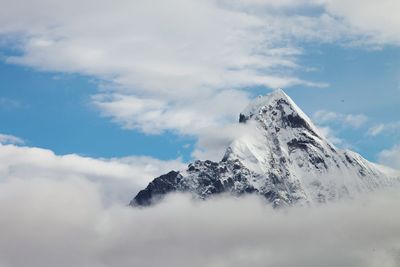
[283, 158]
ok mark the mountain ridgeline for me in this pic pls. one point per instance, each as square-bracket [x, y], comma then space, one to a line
[283, 158]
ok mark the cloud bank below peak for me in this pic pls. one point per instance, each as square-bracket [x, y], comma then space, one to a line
[71, 211]
[179, 232]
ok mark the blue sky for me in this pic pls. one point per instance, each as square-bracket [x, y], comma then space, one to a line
[145, 83]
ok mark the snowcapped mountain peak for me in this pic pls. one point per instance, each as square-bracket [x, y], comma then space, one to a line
[265, 100]
[280, 128]
[277, 109]
[282, 157]
[261, 101]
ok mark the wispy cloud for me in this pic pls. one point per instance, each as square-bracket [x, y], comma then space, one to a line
[384, 128]
[346, 120]
[10, 139]
[9, 103]
[328, 133]
[376, 21]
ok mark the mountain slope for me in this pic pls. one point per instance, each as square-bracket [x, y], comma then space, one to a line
[283, 157]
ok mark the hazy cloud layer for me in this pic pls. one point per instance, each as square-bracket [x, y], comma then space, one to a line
[63, 223]
[71, 211]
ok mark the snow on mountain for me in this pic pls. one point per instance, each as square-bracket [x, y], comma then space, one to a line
[283, 157]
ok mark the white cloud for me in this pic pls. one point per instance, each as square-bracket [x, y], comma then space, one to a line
[384, 128]
[328, 133]
[324, 116]
[65, 224]
[350, 120]
[188, 117]
[356, 120]
[390, 157]
[378, 21]
[376, 130]
[10, 139]
[118, 179]
[213, 141]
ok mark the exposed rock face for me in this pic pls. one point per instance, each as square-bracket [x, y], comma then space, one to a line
[283, 158]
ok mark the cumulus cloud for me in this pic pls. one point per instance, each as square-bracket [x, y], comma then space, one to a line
[118, 179]
[188, 117]
[355, 121]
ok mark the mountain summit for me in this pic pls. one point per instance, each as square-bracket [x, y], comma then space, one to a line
[283, 158]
